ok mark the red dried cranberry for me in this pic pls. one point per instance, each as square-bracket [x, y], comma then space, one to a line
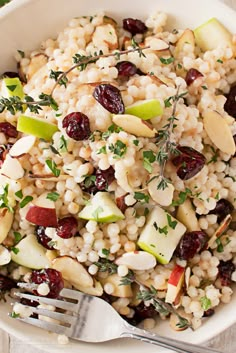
[88, 185]
[3, 151]
[143, 311]
[8, 129]
[77, 126]
[32, 303]
[134, 26]
[126, 69]
[226, 268]
[192, 75]
[50, 276]
[67, 227]
[120, 202]
[42, 238]
[209, 313]
[104, 178]
[189, 162]
[190, 244]
[230, 104]
[222, 209]
[110, 98]
[10, 74]
[6, 284]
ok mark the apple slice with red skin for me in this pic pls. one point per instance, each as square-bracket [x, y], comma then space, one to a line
[175, 283]
[42, 212]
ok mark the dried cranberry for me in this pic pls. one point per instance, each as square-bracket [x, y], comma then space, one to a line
[143, 311]
[3, 151]
[192, 75]
[67, 227]
[126, 69]
[77, 126]
[42, 238]
[226, 268]
[10, 74]
[209, 313]
[190, 244]
[89, 186]
[134, 26]
[222, 209]
[6, 284]
[50, 276]
[230, 104]
[32, 303]
[110, 98]
[120, 202]
[8, 129]
[104, 178]
[189, 162]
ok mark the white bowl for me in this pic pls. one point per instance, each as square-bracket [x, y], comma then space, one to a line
[23, 25]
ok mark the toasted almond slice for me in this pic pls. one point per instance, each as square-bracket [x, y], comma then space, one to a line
[162, 197]
[218, 131]
[187, 276]
[96, 290]
[105, 34]
[22, 146]
[174, 320]
[137, 260]
[187, 38]
[36, 63]
[72, 271]
[158, 44]
[122, 291]
[5, 255]
[151, 283]
[12, 168]
[134, 125]
[220, 230]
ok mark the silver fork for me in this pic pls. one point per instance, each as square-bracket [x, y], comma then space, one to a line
[79, 322]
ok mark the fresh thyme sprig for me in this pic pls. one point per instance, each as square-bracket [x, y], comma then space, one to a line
[166, 147]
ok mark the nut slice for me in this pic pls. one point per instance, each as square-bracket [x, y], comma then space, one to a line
[162, 197]
[218, 131]
[220, 230]
[5, 255]
[22, 146]
[134, 125]
[6, 219]
[137, 260]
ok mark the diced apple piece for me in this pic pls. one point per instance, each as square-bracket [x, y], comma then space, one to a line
[137, 260]
[134, 125]
[37, 127]
[22, 146]
[187, 38]
[36, 63]
[175, 283]
[187, 216]
[122, 291]
[105, 34]
[12, 87]
[6, 219]
[212, 34]
[96, 290]
[101, 208]
[12, 168]
[72, 271]
[145, 109]
[42, 212]
[30, 254]
[218, 131]
[5, 256]
[161, 235]
[162, 197]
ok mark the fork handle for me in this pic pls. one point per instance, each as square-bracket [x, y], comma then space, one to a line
[169, 343]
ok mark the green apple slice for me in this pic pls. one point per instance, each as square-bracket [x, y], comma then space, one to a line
[161, 235]
[12, 87]
[30, 254]
[101, 208]
[211, 34]
[145, 109]
[36, 127]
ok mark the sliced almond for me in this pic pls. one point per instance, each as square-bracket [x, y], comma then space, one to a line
[6, 219]
[96, 290]
[187, 216]
[174, 320]
[158, 44]
[72, 271]
[22, 146]
[105, 34]
[218, 131]
[122, 291]
[187, 38]
[151, 283]
[220, 230]
[36, 63]
[137, 260]
[5, 256]
[12, 168]
[134, 125]
[187, 276]
[162, 197]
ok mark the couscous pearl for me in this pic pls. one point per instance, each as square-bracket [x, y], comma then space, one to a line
[122, 270]
[109, 288]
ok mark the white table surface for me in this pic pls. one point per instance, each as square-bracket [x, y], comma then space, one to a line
[225, 342]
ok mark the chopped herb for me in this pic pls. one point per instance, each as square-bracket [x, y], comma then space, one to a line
[119, 149]
[53, 196]
[105, 265]
[22, 53]
[168, 102]
[111, 129]
[128, 279]
[59, 77]
[220, 247]
[25, 201]
[171, 224]
[155, 225]
[217, 196]
[152, 245]
[204, 87]
[136, 142]
[101, 150]
[52, 243]
[53, 167]
[136, 47]
[63, 144]
[139, 196]
[215, 155]
[19, 194]
[106, 252]
[148, 159]
[220, 61]
[17, 236]
[15, 250]
[14, 315]
[183, 195]
[175, 31]
[12, 88]
[146, 212]
[205, 303]
[167, 61]
[151, 73]
[53, 149]
[89, 180]
[4, 201]
[179, 66]
[163, 230]
[97, 212]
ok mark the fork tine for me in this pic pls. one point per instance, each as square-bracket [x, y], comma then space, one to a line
[63, 318]
[46, 325]
[72, 294]
[55, 302]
